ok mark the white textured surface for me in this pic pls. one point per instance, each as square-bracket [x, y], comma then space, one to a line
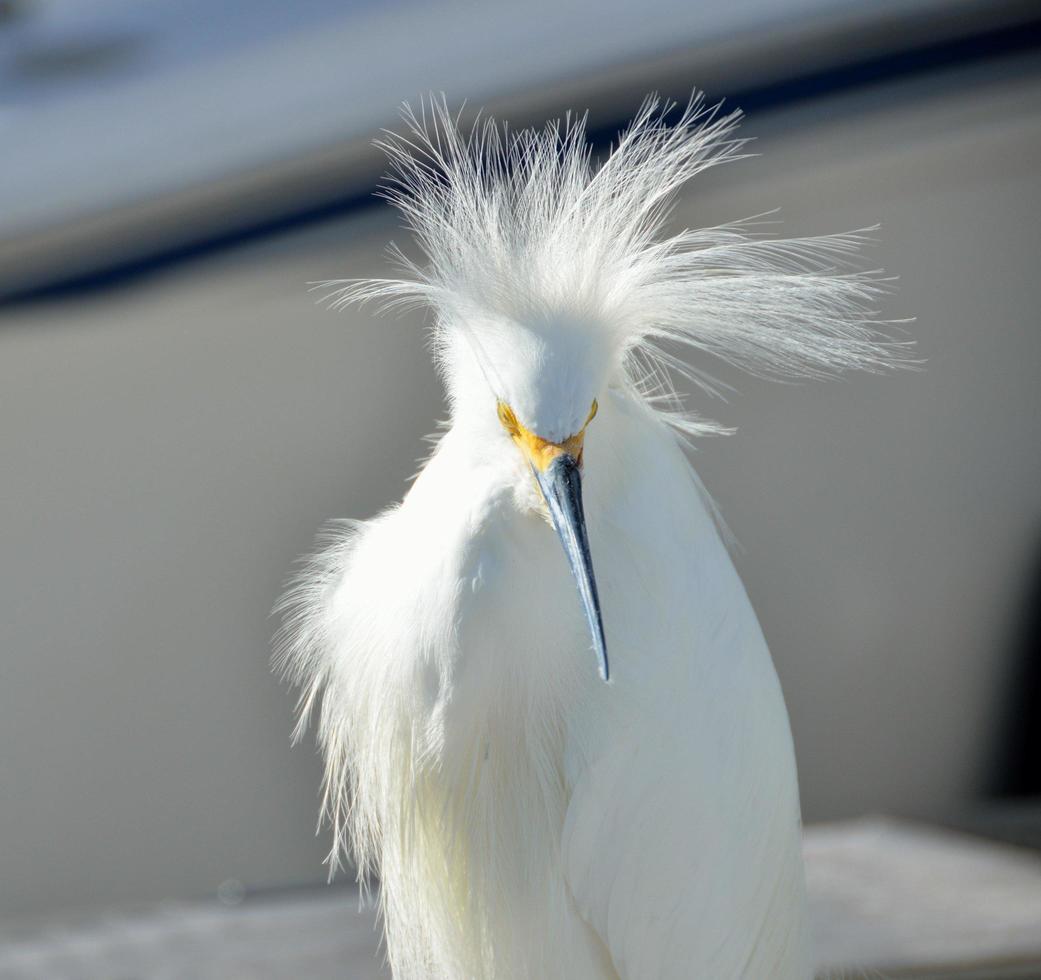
[912, 900]
[311, 936]
[900, 899]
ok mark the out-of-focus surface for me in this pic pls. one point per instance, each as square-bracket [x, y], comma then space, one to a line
[171, 444]
[901, 900]
[133, 127]
[309, 935]
[891, 527]
[886, 899]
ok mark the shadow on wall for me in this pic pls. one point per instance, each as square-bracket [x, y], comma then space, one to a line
[1018, 765]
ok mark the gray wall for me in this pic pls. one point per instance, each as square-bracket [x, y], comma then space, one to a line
[169, 447]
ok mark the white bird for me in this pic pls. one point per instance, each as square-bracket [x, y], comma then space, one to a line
[525, 818]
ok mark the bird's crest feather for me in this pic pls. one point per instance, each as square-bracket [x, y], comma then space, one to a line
[522, 224]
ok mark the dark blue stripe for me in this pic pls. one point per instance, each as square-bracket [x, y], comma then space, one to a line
[986, 46]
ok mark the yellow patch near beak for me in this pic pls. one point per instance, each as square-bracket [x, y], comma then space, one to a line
[540, 452]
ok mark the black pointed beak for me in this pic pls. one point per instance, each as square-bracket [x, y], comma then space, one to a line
[561, 484]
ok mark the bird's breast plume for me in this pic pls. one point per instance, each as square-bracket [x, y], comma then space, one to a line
[526, 226]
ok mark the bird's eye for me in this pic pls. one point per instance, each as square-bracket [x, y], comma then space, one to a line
[508, 419]
[592, 413]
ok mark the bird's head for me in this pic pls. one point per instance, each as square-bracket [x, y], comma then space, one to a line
[556, 465]
[524, 394]
[550, 284]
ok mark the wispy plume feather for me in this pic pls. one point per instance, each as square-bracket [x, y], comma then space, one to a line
[527, 223]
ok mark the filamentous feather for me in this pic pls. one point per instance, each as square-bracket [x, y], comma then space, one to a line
[526, 225]
[525, 819]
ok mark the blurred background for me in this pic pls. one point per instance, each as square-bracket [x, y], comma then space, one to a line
[178, 418]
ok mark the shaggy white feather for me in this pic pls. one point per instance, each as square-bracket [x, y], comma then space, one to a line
[525, 228]
[525, 819]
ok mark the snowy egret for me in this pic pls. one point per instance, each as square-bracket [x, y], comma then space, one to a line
[525, 818]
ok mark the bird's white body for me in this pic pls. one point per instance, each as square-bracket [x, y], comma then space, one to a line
[527, 820]
[648, 828]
